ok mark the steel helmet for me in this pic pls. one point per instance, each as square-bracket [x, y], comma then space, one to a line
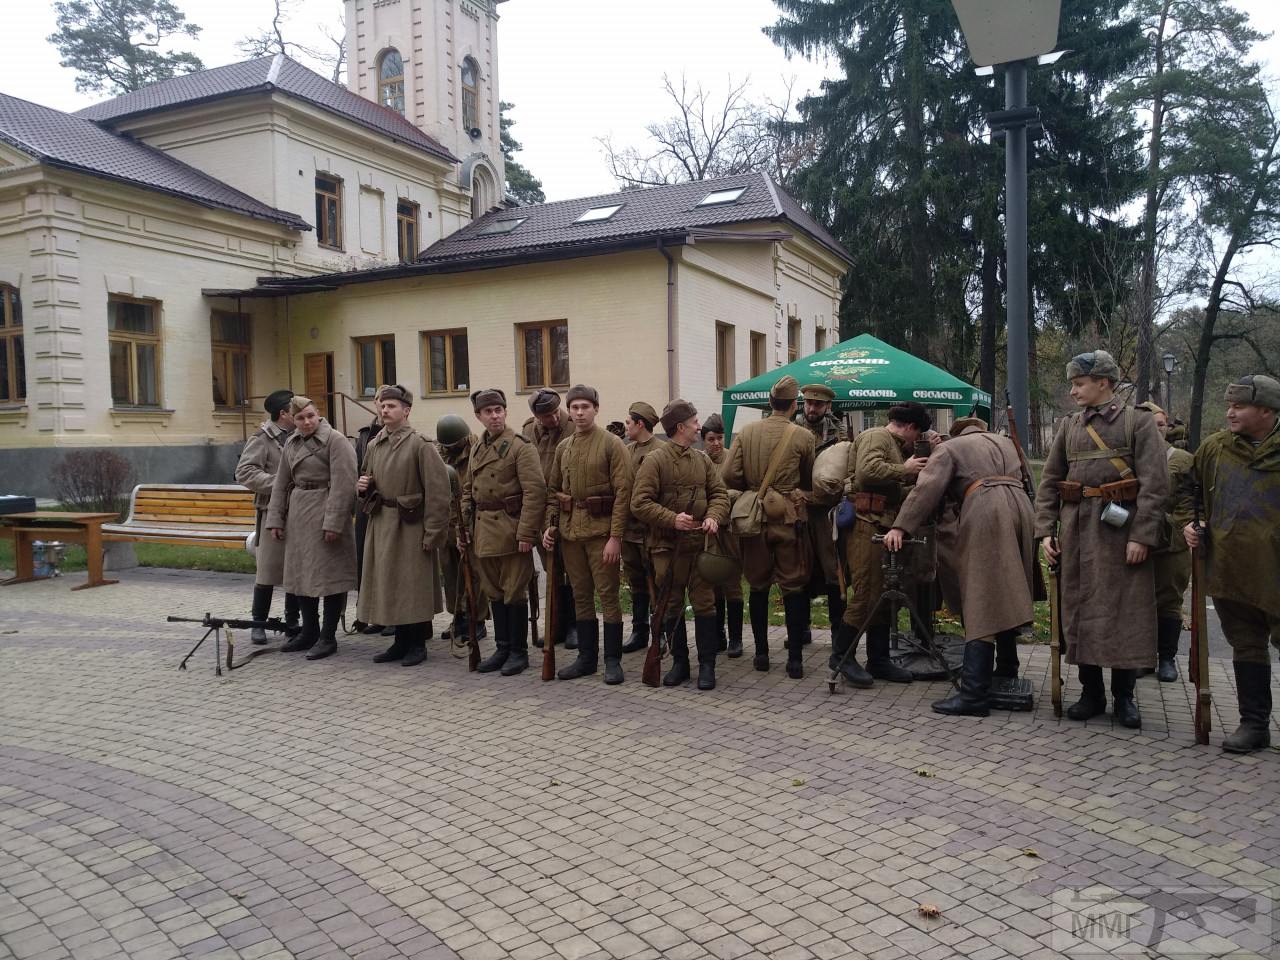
[717, 569]
[451, 429]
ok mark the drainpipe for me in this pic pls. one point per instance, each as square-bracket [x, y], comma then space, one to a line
[671, 320]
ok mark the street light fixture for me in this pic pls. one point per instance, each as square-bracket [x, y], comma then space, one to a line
[1010, 34]
[1170, 361]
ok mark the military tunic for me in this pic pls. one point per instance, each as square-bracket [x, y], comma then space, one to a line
[592, 465]
[1172, 558]
[729, 546]
[314, 492]
[876, 467]
[995, 548]
[401, 585]
[826, 432]
[1108, 606]
[780, 554]
[545, 442]
[635, 560]
[257, 468]
[671, 481]
[458, 457]
[503, 502]
[1241, 492]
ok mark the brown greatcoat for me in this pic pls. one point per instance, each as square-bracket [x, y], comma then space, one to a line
[589, 464]
[315, 491]
[1108, 607]
[259, 462]
[501, 467]
[400, 582]
[995, 549]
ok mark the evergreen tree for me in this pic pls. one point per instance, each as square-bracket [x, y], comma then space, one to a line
[521, 184]
[117, 45]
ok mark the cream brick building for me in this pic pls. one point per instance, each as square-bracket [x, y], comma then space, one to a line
[170, 256]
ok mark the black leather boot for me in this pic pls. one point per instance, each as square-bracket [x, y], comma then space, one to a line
[1168, 631]
[679, 672]
[851, 670]
[501, 638]
[1253, 691]
[334, 604]
[1006, 647]
[1125, 707]
[588, 648]
[722, 637]
[517, 639]
[292, 616]
[261, 610]
[795, 607]
[415, 642]
[570, 619]
[613, 650]
[835, 608]
[878, 663]
[1093, 695]
[306, 638]
[399, 647]
[972, 699]
[733, 611]
[706, 640]
[758, 600]
[639, 638]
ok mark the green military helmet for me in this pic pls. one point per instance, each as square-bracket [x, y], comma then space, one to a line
[455, 486]
[717, 569]
[451, 429]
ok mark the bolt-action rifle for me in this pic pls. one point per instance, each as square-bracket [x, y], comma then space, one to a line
[651, 675]
[553, 614]
[1199, 659]
[473, 607]
[217, 626]
[1039, 590]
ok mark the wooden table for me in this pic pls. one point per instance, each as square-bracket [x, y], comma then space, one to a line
[25, 528]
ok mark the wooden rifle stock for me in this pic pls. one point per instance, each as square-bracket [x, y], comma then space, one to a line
[1199, 659]
[473, 654]
[1055, 638]
[651, 675]
[553, 614]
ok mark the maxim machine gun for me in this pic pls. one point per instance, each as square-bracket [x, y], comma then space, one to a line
[217, 626]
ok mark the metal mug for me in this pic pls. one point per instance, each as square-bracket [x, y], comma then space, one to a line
[1114, 515]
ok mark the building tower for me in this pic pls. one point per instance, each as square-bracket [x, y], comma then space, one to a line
[436, 62]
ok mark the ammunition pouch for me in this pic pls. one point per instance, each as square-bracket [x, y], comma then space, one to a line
[598, 506]
[410, 508]
[511, 505]
[865, 502]
[1118, 491]
[566, 503]
[1069, 491]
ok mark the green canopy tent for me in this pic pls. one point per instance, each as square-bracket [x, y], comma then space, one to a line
[866, 374]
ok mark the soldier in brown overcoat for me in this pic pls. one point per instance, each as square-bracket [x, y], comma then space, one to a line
[406, 492]
[994, 552]
[311, 511]
[680, 497]
[503, 500]
[1099, 510]
[588, 503]
[641, 419]
[780, 553]
[456, 442]
[545, 429]
[729, 605]
[256, 469]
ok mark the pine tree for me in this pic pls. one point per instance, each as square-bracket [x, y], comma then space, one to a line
[521, 184]
[117, 45]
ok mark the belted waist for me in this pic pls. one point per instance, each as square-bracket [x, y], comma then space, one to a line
[304, 485]
[510, 505]
[996, 481]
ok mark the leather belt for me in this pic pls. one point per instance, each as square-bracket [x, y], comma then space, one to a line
[311, 486]
[1000, 481]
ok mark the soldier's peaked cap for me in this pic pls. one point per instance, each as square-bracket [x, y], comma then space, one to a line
[817, 391]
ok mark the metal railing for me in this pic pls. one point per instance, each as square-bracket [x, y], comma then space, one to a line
[338, 412]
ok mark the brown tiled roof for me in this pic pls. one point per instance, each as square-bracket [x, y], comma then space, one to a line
[652, 212]
[61, 140]
[263, 75]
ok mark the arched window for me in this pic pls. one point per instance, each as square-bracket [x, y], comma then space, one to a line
[483, 193]
[470, 95]
[391, 81]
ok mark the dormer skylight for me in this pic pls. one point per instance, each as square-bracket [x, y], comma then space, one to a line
[500, 226]
[599, 214]
[717, 197]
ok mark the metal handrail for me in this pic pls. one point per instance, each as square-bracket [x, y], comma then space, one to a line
[331, 398]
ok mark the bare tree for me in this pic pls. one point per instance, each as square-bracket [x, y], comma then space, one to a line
[271, 40]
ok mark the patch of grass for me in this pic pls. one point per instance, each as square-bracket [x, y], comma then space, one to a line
[154, 555]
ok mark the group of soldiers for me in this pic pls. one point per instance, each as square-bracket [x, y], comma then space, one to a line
[1115, 511]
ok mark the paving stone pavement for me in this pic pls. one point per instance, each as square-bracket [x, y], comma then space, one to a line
[346, 809]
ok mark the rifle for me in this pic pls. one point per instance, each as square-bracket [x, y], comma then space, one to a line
[1039, 591]
[1055, 639]
[468, 584]
[534, 610]
[216, 626]
[553, 611]
[651, 675]
[1199, 659]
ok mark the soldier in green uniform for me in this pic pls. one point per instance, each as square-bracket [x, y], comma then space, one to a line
[1102, 495]
[880, 472]
[456, 441]
[729, 604]
[776, 450]
[503, 501]
[827, 429]
[680, 497]
[1171, 557]
[588, 503]
[1238, 472]
[641, 419]
[545, 429]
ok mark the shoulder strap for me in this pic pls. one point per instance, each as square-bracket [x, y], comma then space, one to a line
[776, 459]
[1125, 470]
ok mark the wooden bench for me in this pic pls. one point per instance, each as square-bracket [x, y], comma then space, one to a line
[187, 514]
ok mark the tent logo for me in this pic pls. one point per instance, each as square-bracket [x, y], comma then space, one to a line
[858, 362]
[937, 395]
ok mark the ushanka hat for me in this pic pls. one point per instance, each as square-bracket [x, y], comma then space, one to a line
[1257, 389]
[675, 413]
[488, 397]
[1096, 363]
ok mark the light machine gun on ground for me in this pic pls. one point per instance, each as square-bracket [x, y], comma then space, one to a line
[217, 626]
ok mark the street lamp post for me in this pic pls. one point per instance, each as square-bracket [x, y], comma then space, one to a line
[1170, 361]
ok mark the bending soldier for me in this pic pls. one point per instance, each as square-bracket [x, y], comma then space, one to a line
[259, 463]
[641, 419]
[879, 474]
[503, 501]
[311, 511]
[776, 450]
[678, 493]
[545, 429]
[588, 502]
[1102, 493]
[406, 493]
[827, 429]
[456, 442]
[1238, 472]
[995, 547]
[729, 605]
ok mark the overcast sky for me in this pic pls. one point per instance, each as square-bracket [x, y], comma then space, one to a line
[577, 70]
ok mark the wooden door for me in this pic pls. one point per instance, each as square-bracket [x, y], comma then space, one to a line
[319, 381]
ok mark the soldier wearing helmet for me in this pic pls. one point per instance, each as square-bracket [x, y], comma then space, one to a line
[456, 441]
